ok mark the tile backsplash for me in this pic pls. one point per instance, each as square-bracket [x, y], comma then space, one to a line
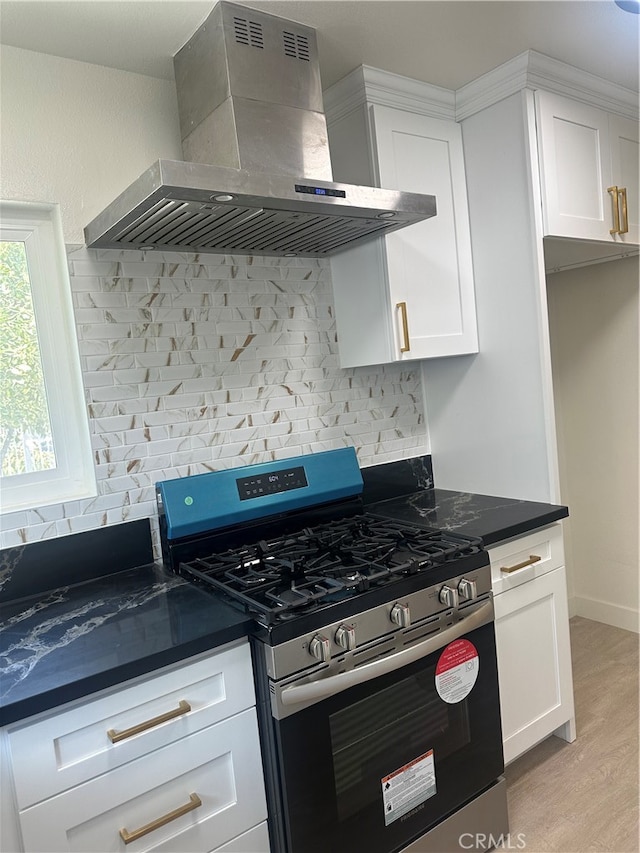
[193, 363]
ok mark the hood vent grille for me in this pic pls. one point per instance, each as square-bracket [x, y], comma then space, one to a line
[296, 46]
[248, 33]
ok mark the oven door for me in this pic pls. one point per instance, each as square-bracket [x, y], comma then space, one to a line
[377, 764]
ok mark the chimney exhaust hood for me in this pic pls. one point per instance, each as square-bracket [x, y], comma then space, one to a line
[257, 172]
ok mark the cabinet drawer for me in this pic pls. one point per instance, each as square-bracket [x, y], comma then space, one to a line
[526, 557]
[70, 747]
[219, 765]
[254, 841]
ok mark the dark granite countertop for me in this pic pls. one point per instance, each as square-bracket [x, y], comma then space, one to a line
[491, 519]
[73, 641]
[60, 643]
[103, 627]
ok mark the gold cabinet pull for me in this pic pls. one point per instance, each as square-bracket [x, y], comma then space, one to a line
[533, 558]
[616, 210]
[624, 211]
[183, 708]
[128, 837]
[402, 307]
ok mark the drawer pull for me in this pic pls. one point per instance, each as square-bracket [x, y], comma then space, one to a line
[128, 837]
[532, 559]
[115, 737]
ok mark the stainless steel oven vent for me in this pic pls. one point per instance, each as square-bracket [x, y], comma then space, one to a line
[256, 151]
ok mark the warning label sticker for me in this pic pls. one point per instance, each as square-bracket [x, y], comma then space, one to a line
[457, 671]
[407, 787]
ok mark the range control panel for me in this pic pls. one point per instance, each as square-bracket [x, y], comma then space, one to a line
[271, 483]
[206, 502]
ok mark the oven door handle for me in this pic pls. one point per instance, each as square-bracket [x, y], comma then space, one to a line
[325, 687]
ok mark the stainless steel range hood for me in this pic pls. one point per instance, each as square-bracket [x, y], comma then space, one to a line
[257, 177]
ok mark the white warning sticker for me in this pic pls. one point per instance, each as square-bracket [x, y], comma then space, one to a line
[457, 671]
[407, 787]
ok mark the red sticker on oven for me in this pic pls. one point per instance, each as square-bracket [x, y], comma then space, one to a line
[457, 671]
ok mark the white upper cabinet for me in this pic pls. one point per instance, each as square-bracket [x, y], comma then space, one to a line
[625, 157]
[589, 171]
[408, 295]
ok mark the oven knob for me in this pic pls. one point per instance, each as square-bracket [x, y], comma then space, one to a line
[320, 648]
[468, 590]
[400, 615]
[449, 596]
[346, 637]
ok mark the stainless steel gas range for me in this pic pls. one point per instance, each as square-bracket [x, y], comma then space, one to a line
[373, 649]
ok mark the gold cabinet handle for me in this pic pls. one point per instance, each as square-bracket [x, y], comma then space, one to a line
[128, 837]
[183, 708]
[402, 307]
[533, 558]
[624, 211]
[616, 210]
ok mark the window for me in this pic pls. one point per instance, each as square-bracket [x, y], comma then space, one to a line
[45, 449]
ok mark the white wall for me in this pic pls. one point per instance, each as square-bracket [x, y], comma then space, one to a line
[593, 316]
[78, 134]
[190, 362]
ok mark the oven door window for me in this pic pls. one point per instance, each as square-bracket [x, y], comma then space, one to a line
[376, 766]
[404, 720]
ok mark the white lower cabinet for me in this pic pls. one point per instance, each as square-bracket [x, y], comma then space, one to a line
[187, 780]
[532, 639]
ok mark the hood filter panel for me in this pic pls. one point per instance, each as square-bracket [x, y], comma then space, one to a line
[175, 225]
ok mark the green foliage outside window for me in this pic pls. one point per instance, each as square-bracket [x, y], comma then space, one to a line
[25, 431]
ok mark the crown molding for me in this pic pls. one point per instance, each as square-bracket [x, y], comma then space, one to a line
[534, 70]
[529, 70]
[366, 85]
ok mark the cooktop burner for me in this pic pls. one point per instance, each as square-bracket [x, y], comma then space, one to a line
[279, 579]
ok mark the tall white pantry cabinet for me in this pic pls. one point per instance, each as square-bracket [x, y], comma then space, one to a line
[491, 416]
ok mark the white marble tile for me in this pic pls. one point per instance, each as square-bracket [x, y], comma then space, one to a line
[134, 345]
[199, 362]
[94, 267]
[119, 392]
[97, 379]
[123, 453]
[131, 512]
[104, 331]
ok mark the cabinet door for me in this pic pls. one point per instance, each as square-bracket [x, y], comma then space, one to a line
[429, 263]
[625, 154]
[575, 168]
[534, 661]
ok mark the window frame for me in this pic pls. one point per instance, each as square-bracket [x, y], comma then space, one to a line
[74, 477]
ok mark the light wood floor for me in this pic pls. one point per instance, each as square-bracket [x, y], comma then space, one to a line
[579, 797]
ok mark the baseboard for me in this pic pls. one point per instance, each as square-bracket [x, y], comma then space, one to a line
[627, 618]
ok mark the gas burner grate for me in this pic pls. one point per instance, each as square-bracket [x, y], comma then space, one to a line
[278, 579]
